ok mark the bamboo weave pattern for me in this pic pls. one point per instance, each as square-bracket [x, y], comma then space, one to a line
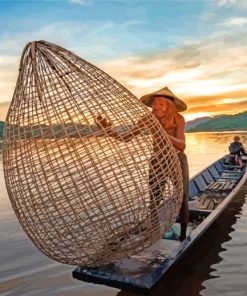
[83, 193]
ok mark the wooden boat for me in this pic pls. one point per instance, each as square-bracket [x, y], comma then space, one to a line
[211, 191]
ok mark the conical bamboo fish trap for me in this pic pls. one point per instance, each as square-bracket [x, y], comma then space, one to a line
[82, 195]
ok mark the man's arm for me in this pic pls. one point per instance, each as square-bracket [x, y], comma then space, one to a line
[243, 150]
[103, 124]
[179, 141]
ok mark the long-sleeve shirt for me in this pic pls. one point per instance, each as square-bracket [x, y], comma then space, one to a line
[236, 148]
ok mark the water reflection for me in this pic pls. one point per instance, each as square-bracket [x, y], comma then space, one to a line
[205, 148]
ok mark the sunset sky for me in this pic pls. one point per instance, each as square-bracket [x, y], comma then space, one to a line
[198, 48]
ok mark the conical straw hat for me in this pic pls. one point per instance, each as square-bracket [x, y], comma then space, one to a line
[166, 93]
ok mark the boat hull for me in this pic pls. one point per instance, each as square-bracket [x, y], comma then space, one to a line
[140, 273]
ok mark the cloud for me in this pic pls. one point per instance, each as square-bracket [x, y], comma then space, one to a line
[206, 74]
[232, 102]
[93, 40]
[131, 23]
[80, 2]
[230, 108]
[8, 76]
[226, 2]
[234, 22]
[229, 4]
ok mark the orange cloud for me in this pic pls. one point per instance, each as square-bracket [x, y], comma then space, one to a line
[210, 76]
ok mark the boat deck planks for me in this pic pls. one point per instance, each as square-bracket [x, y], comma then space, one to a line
[219, 186]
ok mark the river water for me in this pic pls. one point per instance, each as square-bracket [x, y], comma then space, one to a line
[217, 264]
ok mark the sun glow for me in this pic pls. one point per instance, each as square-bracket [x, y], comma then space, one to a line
[170, 78]
[231, 101]
[208, 87]
[193, 116]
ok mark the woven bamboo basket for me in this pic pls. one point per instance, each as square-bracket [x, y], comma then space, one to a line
[83, 193]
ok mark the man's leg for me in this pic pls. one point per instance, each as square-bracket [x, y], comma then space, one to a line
[184, 210]
[184, 218]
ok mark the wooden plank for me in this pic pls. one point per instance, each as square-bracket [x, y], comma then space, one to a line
[211, 205]
[220, 186]
[207, 176]
[231, 166]
[231, 171]
[204, 202]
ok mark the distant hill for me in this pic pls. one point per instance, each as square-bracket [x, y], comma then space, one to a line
[219, 123]
[193, 123]
[71, 130]
[204, 124]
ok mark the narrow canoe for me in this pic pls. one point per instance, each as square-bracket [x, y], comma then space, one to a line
[211, 191]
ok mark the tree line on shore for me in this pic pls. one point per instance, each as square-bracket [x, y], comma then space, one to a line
[205, 124]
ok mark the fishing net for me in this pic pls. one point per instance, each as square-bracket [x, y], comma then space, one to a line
[90, 172]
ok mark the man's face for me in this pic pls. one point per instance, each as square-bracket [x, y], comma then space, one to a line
[161, 107]
[236, 139]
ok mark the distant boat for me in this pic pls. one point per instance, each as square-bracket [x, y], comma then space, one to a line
[211, 190]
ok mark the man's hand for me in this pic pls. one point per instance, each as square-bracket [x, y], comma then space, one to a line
[102, 123]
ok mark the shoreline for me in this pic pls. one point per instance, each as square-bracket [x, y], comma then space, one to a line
[214, 132]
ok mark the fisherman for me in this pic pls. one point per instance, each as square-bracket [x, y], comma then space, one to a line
[165, 107]
[236, 151]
